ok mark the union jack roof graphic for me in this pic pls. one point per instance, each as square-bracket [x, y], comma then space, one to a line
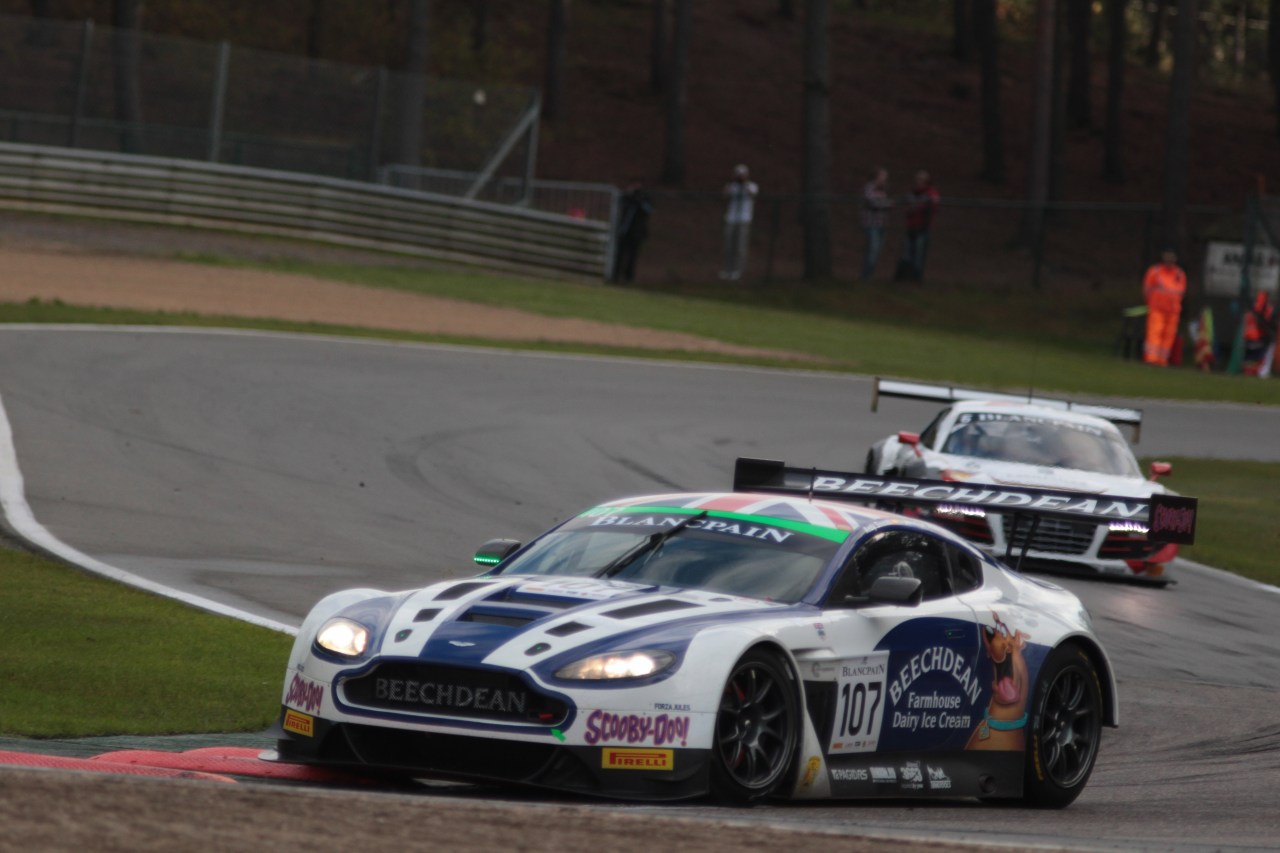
[816, 513]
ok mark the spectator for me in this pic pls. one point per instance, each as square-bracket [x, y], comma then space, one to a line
[1259, 336]
[922, 205]
[1163, 287]
[741, 193]
[633, 227]
[875, 210]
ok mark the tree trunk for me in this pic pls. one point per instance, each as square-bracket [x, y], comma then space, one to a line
[1080, 78]
[673, 165]
[658, 48]
[126, 55]
[987, 38]
[413, 91]
[479, 26]
[962, 36]
[1177, 147]
[315, 28]
[816, 215]
[1155, 33]
[553, 78]
[1058, 118]
[1041, 126]
[1273, 55]
[1113, 135]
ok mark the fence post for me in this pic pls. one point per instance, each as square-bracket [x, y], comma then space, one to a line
[531, 157]
[82, 83]
[775, 225]
[218, 107]
[375, 129]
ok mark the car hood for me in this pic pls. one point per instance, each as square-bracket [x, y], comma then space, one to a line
[1045, 477]
[520, 621]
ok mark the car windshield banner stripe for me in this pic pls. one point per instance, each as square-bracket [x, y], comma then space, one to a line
[827, 533]
[1170, 518]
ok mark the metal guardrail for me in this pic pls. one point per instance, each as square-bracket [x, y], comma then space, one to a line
[327, 210]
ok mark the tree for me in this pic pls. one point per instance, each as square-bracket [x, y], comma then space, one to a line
[816, 213]
[413, 92]
[479, 25]
[658, 47]
[1041, 126]
[1080, 77]
[1155, 33]
[962, 35]
[1113, 133]
[315, 28]
[1177, 147]
[1273, 55]
[673, 164]
[553, 80]
[126, 55]
[987, 38]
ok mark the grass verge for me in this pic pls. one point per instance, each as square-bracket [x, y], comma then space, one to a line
[86, 656]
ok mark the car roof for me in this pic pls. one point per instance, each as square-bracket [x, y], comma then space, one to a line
[819, 513]
[1032, 410]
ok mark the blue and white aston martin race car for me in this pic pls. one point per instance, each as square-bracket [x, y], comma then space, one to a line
[777, 640]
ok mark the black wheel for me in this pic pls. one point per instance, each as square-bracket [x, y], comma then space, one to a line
[869, 467]
[757, 730]
[1063, 730]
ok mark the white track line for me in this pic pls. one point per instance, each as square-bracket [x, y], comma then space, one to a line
[13, 502]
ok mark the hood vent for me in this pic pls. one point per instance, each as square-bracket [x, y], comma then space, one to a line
[650, 608]
[568, 628]
[427, 614]
[458, 590]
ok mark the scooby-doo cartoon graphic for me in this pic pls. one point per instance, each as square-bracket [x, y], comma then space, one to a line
[1004, 722]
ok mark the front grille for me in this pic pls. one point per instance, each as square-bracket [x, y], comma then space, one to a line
[1052, 535]
[476, 694]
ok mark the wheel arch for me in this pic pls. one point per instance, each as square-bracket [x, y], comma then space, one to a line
[1106, 675]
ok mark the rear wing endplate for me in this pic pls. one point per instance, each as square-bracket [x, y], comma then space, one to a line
[1164, 518]
[949, 394]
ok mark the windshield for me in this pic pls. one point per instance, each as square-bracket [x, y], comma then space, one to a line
[754, 557]
[1037, 440]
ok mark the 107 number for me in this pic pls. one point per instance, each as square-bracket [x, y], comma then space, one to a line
[853, 702]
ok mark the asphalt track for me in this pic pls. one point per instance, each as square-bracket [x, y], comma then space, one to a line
[258, 472]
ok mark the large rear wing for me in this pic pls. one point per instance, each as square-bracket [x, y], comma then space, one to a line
[1164, 518]
[1118, 415]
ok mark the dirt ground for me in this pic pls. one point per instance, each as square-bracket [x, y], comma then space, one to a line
[115, 266]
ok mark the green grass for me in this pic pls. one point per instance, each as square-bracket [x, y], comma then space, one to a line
[86, 656]
[1236, 527]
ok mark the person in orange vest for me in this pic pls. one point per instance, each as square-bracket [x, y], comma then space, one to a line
[1163, 288]
[1259, 334]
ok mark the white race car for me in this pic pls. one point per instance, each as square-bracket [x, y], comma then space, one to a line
[771, 641]
[1005, 440]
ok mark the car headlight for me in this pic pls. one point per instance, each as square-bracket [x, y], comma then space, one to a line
[618, 665]
[343, 637]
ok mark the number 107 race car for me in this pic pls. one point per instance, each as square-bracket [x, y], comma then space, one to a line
[777, 640]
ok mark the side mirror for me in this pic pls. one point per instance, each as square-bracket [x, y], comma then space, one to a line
[495, 551]
[1161, 469]
[912, 440]
[890, 590]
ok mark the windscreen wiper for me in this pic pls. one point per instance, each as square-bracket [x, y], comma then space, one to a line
[650, 543]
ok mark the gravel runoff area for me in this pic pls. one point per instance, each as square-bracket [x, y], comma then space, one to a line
[117, 266]
[54, 810]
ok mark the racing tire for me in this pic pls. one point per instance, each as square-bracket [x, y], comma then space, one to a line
[1064, 729]
[872, 463]
[757, 730]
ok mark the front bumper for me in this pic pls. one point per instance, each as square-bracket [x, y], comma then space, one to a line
[609, 771]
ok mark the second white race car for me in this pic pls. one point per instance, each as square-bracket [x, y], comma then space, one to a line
[985, 438]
